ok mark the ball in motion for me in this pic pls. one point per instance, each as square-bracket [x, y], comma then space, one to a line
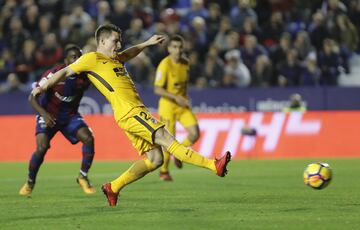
[317, 175]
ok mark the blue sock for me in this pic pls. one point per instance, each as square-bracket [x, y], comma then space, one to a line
[88, 156]
[34, 165]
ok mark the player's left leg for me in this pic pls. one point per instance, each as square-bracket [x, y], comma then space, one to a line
[153, 160]
[77, 130]
[85, 135]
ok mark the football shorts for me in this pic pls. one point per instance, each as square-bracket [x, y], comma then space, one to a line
[140, 126]
[68, 128]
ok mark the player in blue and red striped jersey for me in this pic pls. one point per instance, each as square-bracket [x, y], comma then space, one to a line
[58, 111]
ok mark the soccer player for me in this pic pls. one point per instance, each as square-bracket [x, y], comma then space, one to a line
[105, 69]
[58, 111]
[171, 85]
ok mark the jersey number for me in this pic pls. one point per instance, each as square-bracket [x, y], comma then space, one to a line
[145, 116]
[120, 72]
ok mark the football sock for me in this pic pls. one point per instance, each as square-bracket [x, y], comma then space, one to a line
[165, 166]
[87, 158]
[187, 142]
[135, 172]
[190, 156]
[34, 165]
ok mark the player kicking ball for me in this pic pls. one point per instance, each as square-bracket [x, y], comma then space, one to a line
[58, 111]
[105, 69]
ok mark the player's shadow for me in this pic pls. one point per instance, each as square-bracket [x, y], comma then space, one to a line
[63, 215]
[95, 210]
[295, 210]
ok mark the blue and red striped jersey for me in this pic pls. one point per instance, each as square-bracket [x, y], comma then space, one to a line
[63, 99]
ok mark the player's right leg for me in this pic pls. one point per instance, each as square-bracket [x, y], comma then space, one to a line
[37, 158]
[166, 140]
[139, 169]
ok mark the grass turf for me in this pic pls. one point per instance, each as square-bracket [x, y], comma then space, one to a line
[255, 195]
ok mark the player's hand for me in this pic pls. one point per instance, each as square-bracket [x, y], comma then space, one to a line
[155, 39]
[50, 121]
[183, 102]
[36, 91]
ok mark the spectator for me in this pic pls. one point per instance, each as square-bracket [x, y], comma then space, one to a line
[272, 30]
[240, 12]
[251, 51]
[231, 43]
[331, 9]
[355, 16]
[262, 73]
[249, 28]
[136, 33]
[311, 74]
[318, 31]
[30, 19]
[238, 70]
[197, 10]
[25, 62]
[143, 10]
[78, 17]
[224, 30]
[5, 18]
[141, 70]
[49, 53]
[103, 12]
[12, 84]
[7, 64]
[302, 44]
[172, 22]
[213, 21]
[329, 63]
[199, 38]
[63, 33]
[212, 28]
[345, 33]
[15, 38]
[195, 69]
[121, 16]
[289, 70]
[156, 54]
[44, 29]
[213, 70]
[278, 54]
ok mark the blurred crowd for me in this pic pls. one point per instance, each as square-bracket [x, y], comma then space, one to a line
[229, 43]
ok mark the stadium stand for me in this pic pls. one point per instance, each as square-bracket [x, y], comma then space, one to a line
[281, 42]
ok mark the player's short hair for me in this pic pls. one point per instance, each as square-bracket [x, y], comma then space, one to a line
[71, 47]
[177, 38]
[105, 30]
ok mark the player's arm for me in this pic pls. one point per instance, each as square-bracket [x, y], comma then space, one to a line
[50, 121]
[183, 102]
[133, 51]
[56, 77]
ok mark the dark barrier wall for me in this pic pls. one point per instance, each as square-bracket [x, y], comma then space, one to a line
[214, 100]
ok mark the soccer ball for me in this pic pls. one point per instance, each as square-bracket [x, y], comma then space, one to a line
[317, 175]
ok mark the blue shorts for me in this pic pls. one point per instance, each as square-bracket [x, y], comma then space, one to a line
[68, 128]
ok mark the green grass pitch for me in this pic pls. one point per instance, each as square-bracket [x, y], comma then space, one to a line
[256, 194]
